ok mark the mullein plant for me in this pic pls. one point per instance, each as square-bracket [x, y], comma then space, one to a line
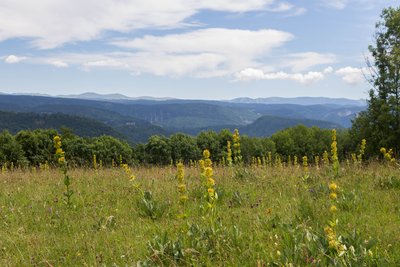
[388, 155]
[305, 165]
[63, 166]
[316, 159]
[182, 190]
[236, 147]
[295, 162]
[335, 245]
[211, 195]
[132, 177]
[334, 154]
[362, 151]
[325, 158]
[94, 161]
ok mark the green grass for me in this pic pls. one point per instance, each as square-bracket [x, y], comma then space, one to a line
[264, 216]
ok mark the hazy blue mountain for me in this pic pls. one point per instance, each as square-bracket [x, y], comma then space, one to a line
[111, 97]
[15, 122]
[267, 125]
[335, 113]
[301, 101]
[139, 119]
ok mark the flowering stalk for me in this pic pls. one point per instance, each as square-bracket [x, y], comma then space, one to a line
[388, 155]
[229, 153]
[305, 165]
[211, 195]
[62, 164]
[334, 243]
[362, 151]
[183, 197]
[334, 154]
[236, 147]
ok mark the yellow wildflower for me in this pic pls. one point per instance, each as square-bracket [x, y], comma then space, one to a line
[210, 182]
[333, 209]
[208, 172]
[333, 186]
[206, 154]
[182, 188]
[183, 199]
[333, 196]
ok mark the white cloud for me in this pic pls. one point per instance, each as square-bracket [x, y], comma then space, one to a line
[336, 4]
[12, 59]
[53, 23]
[328, 70]
[201, 53]
[297, 12]
[59, 64]
[308, 78]
[342, 4]
[351, 75]
[304, 61]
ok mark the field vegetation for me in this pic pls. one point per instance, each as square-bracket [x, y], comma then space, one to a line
[266, 213]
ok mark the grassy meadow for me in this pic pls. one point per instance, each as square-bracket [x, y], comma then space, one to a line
[263, 216]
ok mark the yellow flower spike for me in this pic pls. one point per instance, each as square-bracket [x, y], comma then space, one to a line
[133, 177]
[210, 191]
[206, 154]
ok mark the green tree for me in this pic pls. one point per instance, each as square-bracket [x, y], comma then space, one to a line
[380, 123]
[107, 148]
[158, 150]
[210, 140]
[11, 150]
[184, 148]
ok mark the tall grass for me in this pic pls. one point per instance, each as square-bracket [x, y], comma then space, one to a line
[266, 215]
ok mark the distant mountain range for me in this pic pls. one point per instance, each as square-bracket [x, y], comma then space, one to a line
[135, 119]
[305, 101]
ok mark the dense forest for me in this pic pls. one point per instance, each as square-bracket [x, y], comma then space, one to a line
[35, 147]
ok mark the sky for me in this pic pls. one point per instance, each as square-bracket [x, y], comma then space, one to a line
[191, 49]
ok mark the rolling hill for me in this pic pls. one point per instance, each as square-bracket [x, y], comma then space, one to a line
[85, 127]
[138, 119]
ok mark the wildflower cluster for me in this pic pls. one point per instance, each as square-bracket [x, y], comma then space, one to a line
[334, 153]
[305, 164]
[388, 155]
[362, 151]
[60, 154]
[317, 160]
[325, 158]
[236, 147]
[129, 173]
[229, 153]
[334, 243]
[180, 176]
[209, 180]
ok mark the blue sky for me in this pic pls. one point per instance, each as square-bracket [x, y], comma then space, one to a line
[212, 49]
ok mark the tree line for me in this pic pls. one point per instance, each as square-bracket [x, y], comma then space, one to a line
[35, 147]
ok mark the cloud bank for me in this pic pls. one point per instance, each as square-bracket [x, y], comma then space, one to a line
[49, 24]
